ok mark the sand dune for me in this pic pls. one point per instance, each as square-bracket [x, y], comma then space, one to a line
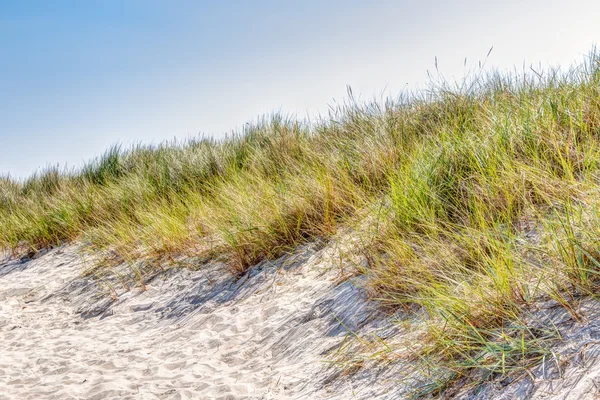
[191, 334]
[205, 335]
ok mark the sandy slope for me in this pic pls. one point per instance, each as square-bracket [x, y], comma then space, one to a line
[192, 334]
[204, 335]
[572, 371]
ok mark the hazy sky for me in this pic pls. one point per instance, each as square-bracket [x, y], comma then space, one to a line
[78, 76]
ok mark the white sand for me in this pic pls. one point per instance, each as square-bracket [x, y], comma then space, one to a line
[571, 372]
[203, 335]
[192, 334]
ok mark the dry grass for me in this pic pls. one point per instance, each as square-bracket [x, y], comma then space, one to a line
[483, 198]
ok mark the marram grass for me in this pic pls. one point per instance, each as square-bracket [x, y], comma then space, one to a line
[482, 199]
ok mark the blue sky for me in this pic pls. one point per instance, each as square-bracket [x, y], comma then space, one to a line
[78, 76]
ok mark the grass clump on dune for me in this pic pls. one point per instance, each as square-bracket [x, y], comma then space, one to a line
[483, 199]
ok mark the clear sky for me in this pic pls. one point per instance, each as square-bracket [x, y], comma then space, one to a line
[78, 76]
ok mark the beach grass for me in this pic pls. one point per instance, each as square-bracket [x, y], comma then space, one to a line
[481, 200]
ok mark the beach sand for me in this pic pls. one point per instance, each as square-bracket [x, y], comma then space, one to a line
[288, 329]
[192, 334]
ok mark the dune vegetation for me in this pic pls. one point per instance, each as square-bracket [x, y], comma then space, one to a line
[473, 203]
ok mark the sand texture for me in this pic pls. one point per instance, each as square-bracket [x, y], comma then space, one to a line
[288, 329]
[192, 334]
